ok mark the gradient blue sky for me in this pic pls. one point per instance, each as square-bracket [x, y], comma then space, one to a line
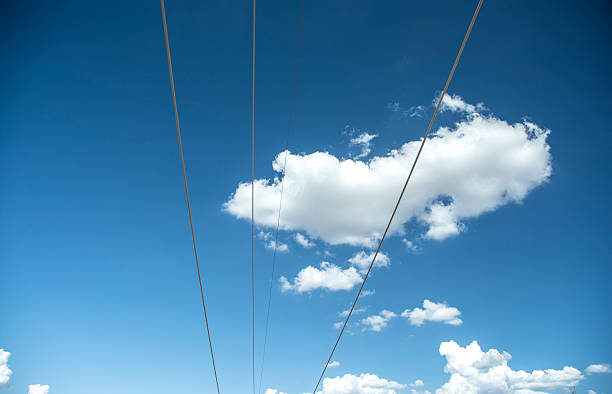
[97, 279]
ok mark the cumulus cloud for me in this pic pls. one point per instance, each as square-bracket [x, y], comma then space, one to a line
[328, 276]
[5, 372]
[38, 389]
[333, 364]
[380, 321]
[417, 383]
[476, 166]
[598, 368]
[366, 293]
[302, 240]
[432, 311]
[474, 371]
[362, 260]
[273, 391]
[364, 140]
[362, 384]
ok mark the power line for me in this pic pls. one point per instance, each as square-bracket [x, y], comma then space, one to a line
[280, 203]
[253, 205]
[178, 132]
[450, 77]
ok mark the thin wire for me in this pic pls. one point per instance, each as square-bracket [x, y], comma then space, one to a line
[195, 251]
[253, 205]
[280, 202]
[450, 77]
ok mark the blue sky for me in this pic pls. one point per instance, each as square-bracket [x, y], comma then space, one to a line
[97, 274]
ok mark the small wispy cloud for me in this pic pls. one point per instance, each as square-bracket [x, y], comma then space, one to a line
[271, 244]
[598, 368]
[364, 140]
[416, 111]
[410, 245]
[355, 311]
[380, 321]
[302, 240]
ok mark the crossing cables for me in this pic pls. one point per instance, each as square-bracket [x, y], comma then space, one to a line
[282, 185]
[450, 77]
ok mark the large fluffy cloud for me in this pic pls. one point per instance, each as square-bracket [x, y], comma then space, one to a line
[5, 372]
[362, 384]
[432, 311]
[474, 371]
[476, 166]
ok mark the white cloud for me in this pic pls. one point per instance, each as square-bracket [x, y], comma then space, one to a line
[474, 371]
[364, 140]
[415, 111]
[362, 260]
[454, 103]
[380, 321]
[442, 222]
[355, 311]
[281, 246]
[417, 383]
[270, 243]
[432, 311]
[591, 392]
[474, 167]
[394, 106]
[273, 391]
[38, 389]
[5, 372]
[366, 293]
[363, 384]
[333, 364]
[302, 240]
[329, 276]
[338, 325]
[410, 245]
[598, 368]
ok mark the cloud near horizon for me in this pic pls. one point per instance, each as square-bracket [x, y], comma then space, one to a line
[5, 371]
[479, 164]
[474, 371]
